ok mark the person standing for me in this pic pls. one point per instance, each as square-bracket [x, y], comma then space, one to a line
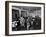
[21, 26]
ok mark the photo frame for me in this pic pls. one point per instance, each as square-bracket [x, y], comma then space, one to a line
[24, 18]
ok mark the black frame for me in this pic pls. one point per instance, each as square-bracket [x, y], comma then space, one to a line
[7, 17]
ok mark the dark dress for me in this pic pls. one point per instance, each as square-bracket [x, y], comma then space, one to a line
[37, 24]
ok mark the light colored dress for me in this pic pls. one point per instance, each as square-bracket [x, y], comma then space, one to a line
[14, 24]
[22, 20]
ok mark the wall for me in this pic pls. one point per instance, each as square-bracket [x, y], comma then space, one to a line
[35, 13]
[2, 19]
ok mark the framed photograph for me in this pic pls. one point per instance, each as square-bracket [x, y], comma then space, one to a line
[24, 18]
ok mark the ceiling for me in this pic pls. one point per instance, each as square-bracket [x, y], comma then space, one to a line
[27, 8]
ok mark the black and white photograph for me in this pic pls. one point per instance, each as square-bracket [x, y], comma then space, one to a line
[25, 18]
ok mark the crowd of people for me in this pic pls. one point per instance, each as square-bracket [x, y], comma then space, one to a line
[26, 23]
